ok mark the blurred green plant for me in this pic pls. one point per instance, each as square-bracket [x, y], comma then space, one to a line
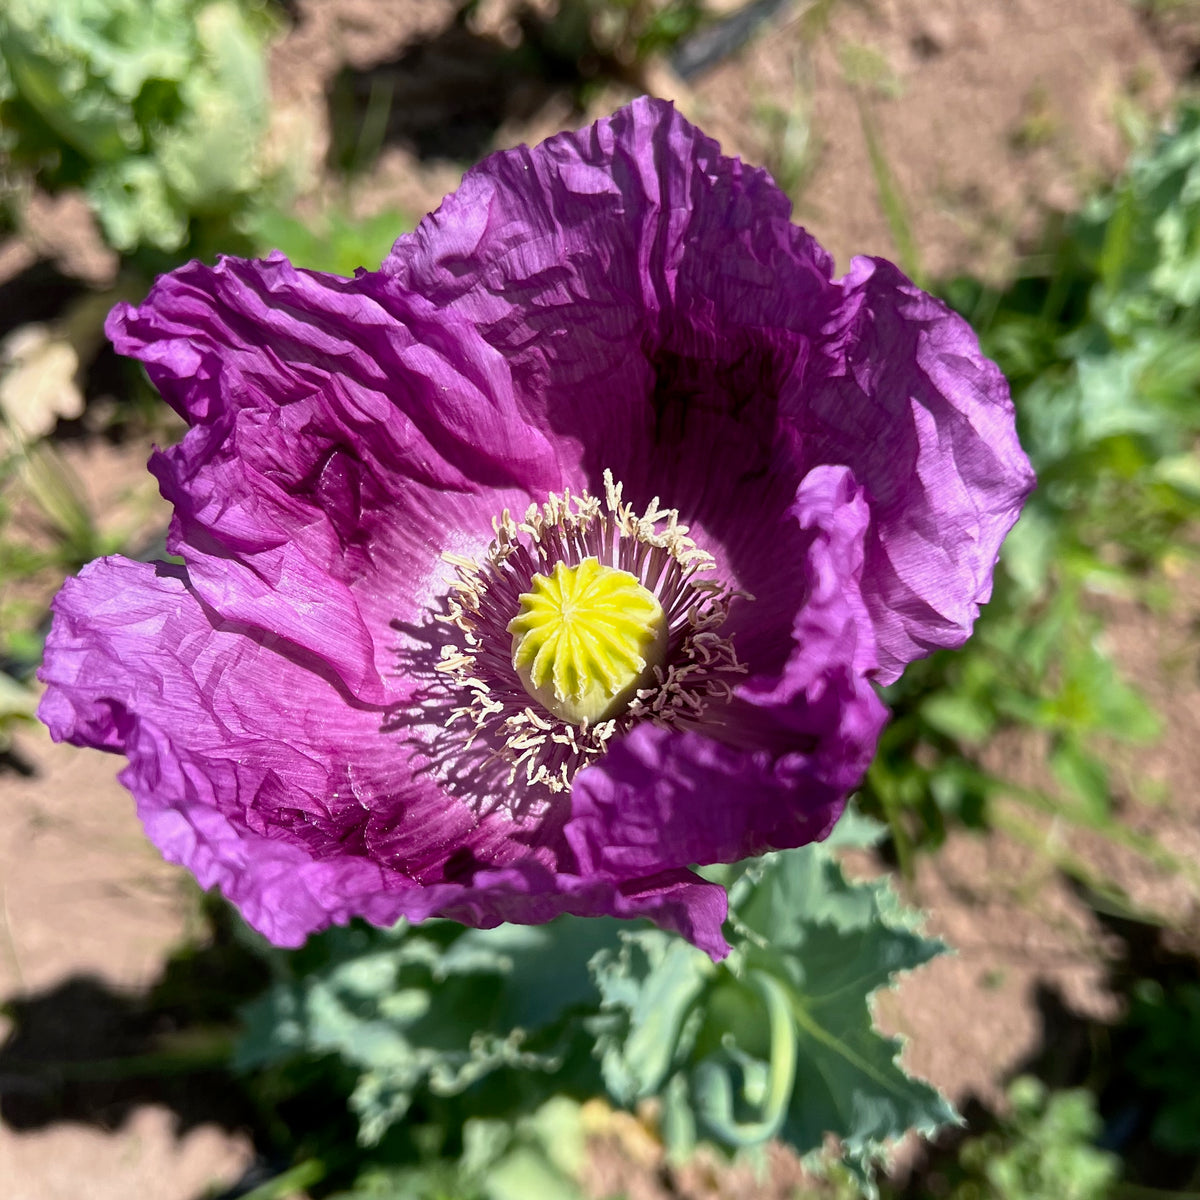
[792, 148]
[1100, 340]
[155, 108]
[436, 1009]
[535, 1157]
[17, 706]
[871, 79]
[1166, 1048]
[626, 32]
[33, 476]
[778, 1041]
[47, 523]
[1043, 1148]
[332, 241]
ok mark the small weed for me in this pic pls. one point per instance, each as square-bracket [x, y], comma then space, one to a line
[792, 147]
[867, 69]
[1044, 1148]
[1039, 124]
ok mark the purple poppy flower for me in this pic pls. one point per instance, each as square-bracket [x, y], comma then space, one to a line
[553, 558]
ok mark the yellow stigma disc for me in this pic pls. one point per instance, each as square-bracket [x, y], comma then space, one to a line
[585, 639]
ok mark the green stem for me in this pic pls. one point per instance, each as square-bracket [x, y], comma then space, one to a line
[296, 1179]
[891, 201]
[1075, 866]
[892, 813]
[190, 1055]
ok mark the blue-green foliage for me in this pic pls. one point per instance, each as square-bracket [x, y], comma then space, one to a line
[435, 1009]
[1100, 343]
[535, 1157]
[155, 107]
[475, 1029]
[777, 1041]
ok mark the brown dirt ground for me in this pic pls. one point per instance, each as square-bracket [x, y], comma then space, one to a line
[988, 115]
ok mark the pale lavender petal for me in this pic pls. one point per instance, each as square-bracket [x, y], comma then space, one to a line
[317, 409]
[901, 394]
[256, 774]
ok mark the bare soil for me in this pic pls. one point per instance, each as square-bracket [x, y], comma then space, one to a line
[984, 117]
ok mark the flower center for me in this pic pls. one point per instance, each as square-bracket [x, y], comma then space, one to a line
[585, 639]
[577, 623]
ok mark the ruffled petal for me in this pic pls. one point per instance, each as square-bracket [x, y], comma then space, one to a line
[774, 768]
[902, 395]
[647, 293]
[215, 717]
[258, 775]
[342, 441]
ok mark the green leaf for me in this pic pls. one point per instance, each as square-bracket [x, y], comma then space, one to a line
[1044, 1148]
[853, 940]
[1150, 240]
[17, 706]
[539, 1157]
[55, 73]
[654, 980]
[778, 1040]
[1028, 551]
[1166, 1028]
[135, 206]
[209, 155]
[1084, 775]
[959, 716]
[536, 1157]
[432, 1011]
[1180, 471]
[154, 107]
[547, 965]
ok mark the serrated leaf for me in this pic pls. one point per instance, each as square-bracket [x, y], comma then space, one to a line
[800, 889]
[851, 1082]
[855, 831]
[437, 1009]
[858, 939]
[779, 1040]
[655, 981]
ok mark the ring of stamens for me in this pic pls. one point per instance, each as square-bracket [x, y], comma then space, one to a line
[486, 595]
